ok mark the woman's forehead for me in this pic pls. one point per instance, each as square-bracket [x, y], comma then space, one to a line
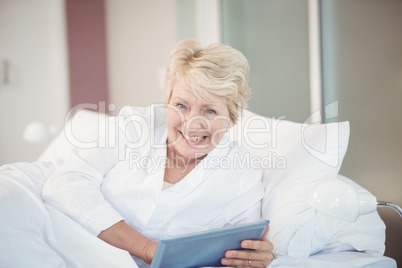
[186, 94]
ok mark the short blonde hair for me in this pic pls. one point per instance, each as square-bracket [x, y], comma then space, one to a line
[217, 70]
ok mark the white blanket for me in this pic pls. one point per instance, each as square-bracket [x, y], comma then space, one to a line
[36, 235]
[33, 234]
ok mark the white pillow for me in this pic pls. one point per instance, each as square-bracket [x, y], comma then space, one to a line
[83, 128]
[294, 157]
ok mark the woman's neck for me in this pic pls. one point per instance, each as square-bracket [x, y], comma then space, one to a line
[177, 166]
[179, 161]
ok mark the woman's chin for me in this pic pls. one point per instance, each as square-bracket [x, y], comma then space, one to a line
[191, 151]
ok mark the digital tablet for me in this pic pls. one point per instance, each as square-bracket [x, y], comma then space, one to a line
[205, 248]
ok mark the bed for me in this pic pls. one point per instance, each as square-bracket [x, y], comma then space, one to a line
[294, 157]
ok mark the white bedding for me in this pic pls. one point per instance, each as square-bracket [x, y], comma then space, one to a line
[35, 235]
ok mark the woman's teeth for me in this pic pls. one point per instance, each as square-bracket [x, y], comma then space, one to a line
[196, 139]
[193, 139]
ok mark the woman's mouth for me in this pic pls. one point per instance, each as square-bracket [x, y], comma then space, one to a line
[193, 139]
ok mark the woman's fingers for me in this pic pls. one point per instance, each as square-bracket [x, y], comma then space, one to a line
[244, 255]
[243, 263]
[263, 245]
[255, 254]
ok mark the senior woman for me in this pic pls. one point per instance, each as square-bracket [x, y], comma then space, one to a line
[197, 181]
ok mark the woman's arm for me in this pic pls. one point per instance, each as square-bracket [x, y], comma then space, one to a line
[75, 189]
[123, 236]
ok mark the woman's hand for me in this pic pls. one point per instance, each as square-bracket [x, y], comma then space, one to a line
[255, 254]
[123, 236]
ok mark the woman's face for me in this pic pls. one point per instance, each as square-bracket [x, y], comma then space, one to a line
[195, 126]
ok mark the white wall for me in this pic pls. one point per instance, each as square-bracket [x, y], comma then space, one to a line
[140, 36]
[363, 67]
[273, 35]
[32, 35]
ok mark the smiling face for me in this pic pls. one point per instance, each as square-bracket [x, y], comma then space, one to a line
[195, 126]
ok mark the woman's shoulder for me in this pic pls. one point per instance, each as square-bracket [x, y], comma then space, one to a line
[238, 149]
[243, 156]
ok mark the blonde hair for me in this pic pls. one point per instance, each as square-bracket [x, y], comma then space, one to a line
[217, 70]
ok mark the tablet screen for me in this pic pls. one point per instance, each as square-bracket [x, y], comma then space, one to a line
[205, 248]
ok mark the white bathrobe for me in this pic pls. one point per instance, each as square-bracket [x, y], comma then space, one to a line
[98, 187]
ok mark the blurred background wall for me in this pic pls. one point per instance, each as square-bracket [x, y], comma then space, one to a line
[34, 82]
[362, 64]
[140, 37]
[362, 68]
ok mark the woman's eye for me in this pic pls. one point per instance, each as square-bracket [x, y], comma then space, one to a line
[210, 111]
[181, 106]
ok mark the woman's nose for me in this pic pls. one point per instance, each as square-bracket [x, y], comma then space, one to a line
[196, 121]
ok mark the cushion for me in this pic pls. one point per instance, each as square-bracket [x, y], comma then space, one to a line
[81, 130]
[294, 157]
